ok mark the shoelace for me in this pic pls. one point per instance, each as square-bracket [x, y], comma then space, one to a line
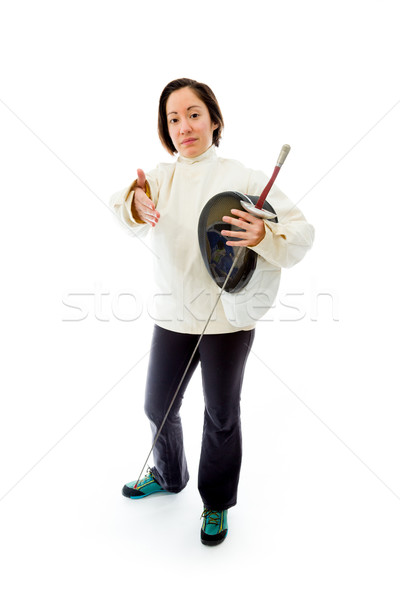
[213, 516]
[146, 479]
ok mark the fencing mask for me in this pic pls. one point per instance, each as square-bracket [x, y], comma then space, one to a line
[253, 283]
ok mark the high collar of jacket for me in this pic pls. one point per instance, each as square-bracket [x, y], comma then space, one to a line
[209, 154]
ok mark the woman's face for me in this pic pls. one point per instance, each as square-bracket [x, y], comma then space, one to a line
[189, 123]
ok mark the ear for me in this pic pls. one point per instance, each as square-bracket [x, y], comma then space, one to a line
[215, 126]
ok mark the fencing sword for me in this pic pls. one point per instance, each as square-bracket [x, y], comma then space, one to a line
[257, 211]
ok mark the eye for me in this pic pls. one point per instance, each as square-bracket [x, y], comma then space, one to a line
[194, 115]
[172, 121]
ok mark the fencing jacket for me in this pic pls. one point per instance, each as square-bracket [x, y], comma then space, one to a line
[184, 292]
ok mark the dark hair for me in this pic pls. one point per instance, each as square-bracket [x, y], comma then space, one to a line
[204, 93]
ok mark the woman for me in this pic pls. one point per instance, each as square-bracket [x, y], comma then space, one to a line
[167, 202]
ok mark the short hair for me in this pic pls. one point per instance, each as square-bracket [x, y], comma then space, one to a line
[204, 93]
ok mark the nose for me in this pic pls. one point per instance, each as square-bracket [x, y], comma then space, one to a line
[185, 125]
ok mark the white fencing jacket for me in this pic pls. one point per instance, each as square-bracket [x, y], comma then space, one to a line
[185, 293]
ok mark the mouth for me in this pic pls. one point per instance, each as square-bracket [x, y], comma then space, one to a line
[188, 141]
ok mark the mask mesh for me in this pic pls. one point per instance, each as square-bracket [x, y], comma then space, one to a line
[217, 256]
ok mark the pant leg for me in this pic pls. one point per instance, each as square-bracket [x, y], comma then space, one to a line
[169, 357]
[223, 359]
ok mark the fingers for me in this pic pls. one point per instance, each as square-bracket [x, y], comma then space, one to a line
[145, 208]
[149, 221]
[243, 221]
[244, 237]
[248, 241]
[254, 230]
[245, 216]
[141, 179]
[142, 201]
[150, 217]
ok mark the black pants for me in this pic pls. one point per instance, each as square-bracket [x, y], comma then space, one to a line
[223, 358]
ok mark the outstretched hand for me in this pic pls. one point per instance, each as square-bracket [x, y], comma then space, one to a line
[143, 205]
[254, 229]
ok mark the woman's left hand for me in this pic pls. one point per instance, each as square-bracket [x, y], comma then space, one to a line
[253, 226]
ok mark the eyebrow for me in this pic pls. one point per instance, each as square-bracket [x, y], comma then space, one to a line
[173, 112]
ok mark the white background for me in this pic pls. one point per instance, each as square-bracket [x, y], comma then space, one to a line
[318, 510]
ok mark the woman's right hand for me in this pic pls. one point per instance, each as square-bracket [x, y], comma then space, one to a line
[143, 205]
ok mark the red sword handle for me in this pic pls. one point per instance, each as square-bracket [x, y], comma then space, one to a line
[281, 159]
[267, 188]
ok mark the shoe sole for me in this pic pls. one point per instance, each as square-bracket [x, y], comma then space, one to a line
[139, 495]
[211, 542]
[145, 495]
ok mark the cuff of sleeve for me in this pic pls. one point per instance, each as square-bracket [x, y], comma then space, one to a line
[276, 228]
[273, 231]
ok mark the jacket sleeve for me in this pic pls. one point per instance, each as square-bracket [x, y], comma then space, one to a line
[286, 242]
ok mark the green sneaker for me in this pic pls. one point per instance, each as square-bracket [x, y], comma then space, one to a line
[215, 527]
[146, 486]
